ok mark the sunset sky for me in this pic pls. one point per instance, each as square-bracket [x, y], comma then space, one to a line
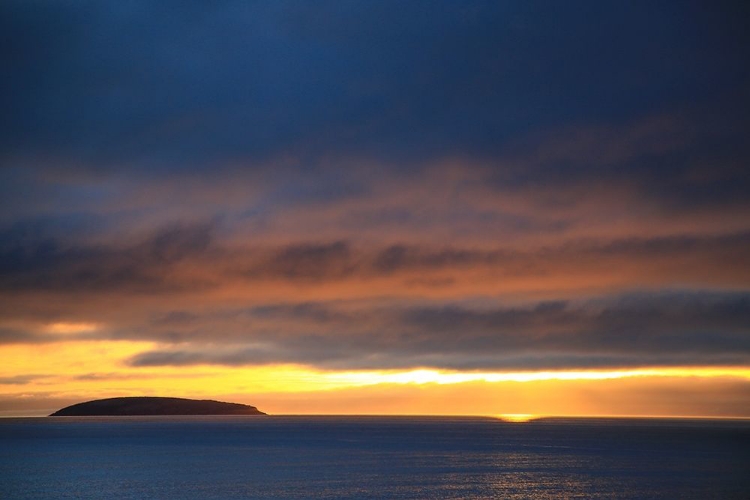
[385, 207]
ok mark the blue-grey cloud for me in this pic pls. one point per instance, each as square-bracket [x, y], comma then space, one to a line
[162, 86]
[635, 330]
[150, 265]
[31, 263]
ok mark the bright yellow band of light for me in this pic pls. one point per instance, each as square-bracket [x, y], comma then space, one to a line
[78, 370]
[426, 376]
[70, 362]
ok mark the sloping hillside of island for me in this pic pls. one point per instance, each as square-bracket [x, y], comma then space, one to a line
[154, 406]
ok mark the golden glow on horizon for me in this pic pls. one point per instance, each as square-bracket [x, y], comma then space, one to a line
[82, 358]
[77, 370]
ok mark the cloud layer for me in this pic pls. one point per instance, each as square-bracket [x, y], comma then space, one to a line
[377, 185]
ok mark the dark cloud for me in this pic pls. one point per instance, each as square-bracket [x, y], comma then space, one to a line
[152, 266]
[309, 262]
[174, 318]
[338, 260]
[176, 243]
[173, 84]
[308, 312]
[637, 330]
[49, 264]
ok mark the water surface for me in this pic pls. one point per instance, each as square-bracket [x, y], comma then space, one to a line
[371, 457]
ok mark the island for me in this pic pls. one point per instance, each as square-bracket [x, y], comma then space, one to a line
[128, 406]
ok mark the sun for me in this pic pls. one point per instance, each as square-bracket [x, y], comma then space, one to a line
[517, 417]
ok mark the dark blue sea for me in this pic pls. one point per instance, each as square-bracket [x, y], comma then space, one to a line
[371, 457]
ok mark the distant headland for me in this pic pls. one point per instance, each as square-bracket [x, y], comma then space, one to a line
[154, 406]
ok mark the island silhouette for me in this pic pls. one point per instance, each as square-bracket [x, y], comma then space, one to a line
[126, 406]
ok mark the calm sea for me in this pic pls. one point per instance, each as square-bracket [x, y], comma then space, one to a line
[371, 457]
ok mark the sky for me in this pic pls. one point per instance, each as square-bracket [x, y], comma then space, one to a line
[377, 207]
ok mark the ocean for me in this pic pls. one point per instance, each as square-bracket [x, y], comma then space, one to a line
[372, 457]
